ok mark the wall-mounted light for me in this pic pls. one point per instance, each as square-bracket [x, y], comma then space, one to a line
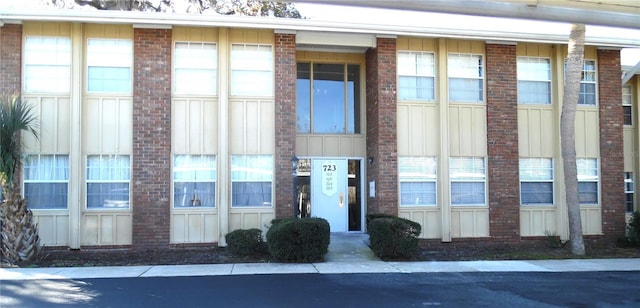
[370, 160]
[294, 163]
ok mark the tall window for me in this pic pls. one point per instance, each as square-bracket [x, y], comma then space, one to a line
[587, 83]
[587, 180]
[194, 180]
[46, 181]
[417, 176]
[47, 62]
[416, 75]
[251, 70]
[251, 180]
[468, 177]
[536, 181]
[108, 179]
[466, 78]
[109, 63]
[195, 68]
[328, 98]
[534, 80]
[627, 105]
[629, 188]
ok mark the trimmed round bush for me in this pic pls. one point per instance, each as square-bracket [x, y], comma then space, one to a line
[299, 240]
[245, 242]
[394, 237]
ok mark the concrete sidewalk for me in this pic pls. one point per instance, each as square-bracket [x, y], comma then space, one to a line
[348, 253]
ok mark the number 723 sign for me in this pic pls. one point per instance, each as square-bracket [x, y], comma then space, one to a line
[329, 178]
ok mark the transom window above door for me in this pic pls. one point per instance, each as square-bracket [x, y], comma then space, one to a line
[328, 98]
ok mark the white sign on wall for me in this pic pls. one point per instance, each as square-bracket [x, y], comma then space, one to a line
[329, 178]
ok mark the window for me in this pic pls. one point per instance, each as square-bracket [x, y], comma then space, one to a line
[328, 98]
[587, 180]
[251, 180]
[194, 180]
[466, 78]
[417, 176]
[47, 63]
[195, 68]
[587, 83]
[108, 179]
[109, 64]
[416, 75]
[534, 80]
[251, 70]
[536, 181]
[46, 181]
[629, 187]
[627, 105]
[467, 176]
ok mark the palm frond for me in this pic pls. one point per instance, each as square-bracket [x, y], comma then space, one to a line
[15, 117]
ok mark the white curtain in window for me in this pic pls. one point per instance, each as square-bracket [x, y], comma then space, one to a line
[108, 168]
[417, 177]
[46, 179]
[251, 168]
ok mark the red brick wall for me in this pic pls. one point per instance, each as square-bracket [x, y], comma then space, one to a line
[10, 58]
[381, 126]
[502, 142]
[285, 121]
[151, 174]
[611, 144]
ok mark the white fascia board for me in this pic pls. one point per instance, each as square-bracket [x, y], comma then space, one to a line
[335, 39]
[557, 36]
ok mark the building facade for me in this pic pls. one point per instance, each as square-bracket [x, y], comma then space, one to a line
[158, 133]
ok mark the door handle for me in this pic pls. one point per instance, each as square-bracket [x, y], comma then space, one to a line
[341, 199]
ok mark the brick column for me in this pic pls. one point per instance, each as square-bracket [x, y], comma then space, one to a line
[611, 144]
[382, 140]
[151, 174]
[502, 142]
[285, 121]
[10, 58]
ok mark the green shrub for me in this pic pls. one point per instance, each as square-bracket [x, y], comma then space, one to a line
[394, 237]
[245, 242]
[299, 240]
[633, 229]
[371, 217]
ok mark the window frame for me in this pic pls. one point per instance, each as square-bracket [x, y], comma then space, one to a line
[242, 66]
[533, 167]
[627, 105]
[471, 179]
[195, 202]
[34, 60]
[583, 82]
[191, 66]
[452, 74]
[430, 163]
[126, 204]
[118, 60]
[522, 78]
[581, 164]
[26, 179]
[417, 67]
[629, 191]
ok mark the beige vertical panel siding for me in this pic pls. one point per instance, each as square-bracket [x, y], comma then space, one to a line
[537, 135]
[108, 123]
[106, 228]
[467, 130]
[258, 218]
[331, 145]
[629, 149]
[418, 130]
[538, 221]
[534, 50]
[46, 29]
[251, 36]
[428, 217]
[591, 217]
[194, 125]
[109, 31]
[587, 133]
[53, 227]
[252, 127]
[194, 226]
[469, 222]
[53, 114]
[417, 44]
[189, 34]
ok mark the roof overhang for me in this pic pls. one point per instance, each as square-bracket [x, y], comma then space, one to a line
[446, 27]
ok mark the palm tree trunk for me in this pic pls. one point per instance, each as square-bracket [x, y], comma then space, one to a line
[567, 134]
